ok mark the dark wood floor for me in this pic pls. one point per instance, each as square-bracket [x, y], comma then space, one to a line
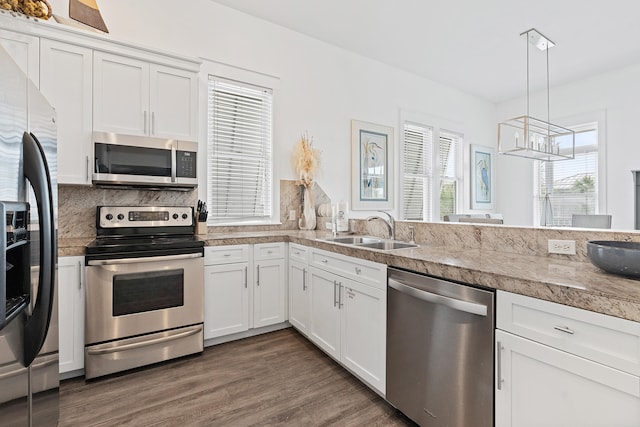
[272, 379]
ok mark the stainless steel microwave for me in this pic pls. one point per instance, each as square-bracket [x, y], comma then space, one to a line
[142, 161]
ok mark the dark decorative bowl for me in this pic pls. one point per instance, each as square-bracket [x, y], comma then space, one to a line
[621, 258]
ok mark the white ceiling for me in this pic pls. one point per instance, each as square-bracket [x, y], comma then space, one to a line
[472, 45]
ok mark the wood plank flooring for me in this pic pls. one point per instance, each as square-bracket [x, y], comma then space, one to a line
[272, 379]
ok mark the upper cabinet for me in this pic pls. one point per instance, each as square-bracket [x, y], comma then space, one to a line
[66, 81]
[23, 49]
[136, 97]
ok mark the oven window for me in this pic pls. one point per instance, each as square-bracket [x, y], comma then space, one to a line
[147, 291]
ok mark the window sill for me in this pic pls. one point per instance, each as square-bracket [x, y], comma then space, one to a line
[243, 223]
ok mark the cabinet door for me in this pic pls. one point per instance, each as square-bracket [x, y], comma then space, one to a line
[269, 293]
[324, 328]
[71, 313]
[299, 294]
[120, 94]
[66, 81]
[24, 50]
[363, 331]
[226, 299]
[173, 103]
[537, 385]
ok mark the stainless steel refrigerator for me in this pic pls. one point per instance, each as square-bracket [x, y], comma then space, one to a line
[29, 380]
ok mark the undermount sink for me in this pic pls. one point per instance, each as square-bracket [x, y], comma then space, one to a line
[615, 257]
[371, 242]
[353, 240]
[388, 245]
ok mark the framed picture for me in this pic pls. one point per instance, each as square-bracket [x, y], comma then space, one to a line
[481, 177]
[371, 166]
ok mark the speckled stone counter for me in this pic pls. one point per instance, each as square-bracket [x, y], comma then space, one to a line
[575, 283]
[562, 280]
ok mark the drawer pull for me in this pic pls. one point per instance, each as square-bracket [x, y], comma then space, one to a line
[324, 261]
[296, 252]
[499, 380]
[358, 270]
[269, 252]
[564, 329]
[227, 255]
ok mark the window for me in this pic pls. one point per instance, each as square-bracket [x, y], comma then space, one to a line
[572, 185]
[420, 202]
[239, 160]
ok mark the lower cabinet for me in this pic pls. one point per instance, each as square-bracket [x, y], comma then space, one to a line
[552, 368]
[245, 287]
[299, 293]
[347, 319]
[71, 312]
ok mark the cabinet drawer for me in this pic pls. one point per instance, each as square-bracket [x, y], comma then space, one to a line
[298, 253]
[369, 272]
[609, 340]
[225, 254]
[262, 251]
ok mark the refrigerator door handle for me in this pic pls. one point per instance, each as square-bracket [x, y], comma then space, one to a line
[36, 171]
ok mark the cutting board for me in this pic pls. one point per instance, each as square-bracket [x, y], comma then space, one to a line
[87, 12]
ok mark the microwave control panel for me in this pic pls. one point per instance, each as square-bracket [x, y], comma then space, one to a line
[186, 164]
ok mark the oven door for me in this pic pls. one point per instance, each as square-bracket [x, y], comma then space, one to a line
[136, 296]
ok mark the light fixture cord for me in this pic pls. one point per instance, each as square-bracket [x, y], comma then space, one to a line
[548, 97]
[527, 42]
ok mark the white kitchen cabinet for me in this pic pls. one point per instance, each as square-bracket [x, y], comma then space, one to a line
[66, 77]
[270, 282]
[226, 290]
[348, 315]
[299, 292]
[24, 49]
[324, 328]
[245, 288]
[136, 97]
[562, 366]
[71, 280]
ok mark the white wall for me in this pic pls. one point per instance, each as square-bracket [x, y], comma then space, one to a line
[613, 95]
[320, 87]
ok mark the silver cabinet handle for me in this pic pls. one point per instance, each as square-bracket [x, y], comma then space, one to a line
[246, 274]
[87, 176]
[153, 123]
[79, 274]
[145, 121]
[296, 252]
[335, 300]
[258, 275]
[304, 279]
[499, 380]
[358, 270]
[564, 329]
[133, 346]
[340, 304]
[269, 252]
[456, 304]
[324, 261]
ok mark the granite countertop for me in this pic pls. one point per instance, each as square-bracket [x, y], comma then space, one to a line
[573, 283]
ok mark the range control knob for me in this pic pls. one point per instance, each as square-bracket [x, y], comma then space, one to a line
[120, 217]
[109, 217]
[185, 216]
[175, 216]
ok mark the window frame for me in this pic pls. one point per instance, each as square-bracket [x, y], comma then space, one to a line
[246, 77]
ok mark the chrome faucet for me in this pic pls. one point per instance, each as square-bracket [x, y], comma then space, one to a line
[391, 223]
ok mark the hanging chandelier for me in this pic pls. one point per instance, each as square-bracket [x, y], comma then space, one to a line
[527, 136]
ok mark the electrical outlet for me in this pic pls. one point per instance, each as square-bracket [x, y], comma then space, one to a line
[292, 215]
[565, 247]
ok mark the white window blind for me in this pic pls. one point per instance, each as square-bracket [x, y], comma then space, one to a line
[240, 151]
[449, 161]
[417, 172]
[572, 185]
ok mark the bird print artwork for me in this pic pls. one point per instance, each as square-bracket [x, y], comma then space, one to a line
[483, 177]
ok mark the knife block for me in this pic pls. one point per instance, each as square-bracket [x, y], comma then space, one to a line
[201, 228]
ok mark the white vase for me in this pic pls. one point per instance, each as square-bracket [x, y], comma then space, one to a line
[308, 220]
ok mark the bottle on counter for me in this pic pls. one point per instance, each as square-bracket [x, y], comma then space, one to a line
[342, 220]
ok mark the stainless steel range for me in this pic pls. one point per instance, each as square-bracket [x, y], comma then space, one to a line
[145, 287]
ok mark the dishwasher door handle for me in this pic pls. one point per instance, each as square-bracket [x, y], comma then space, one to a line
[456, 304]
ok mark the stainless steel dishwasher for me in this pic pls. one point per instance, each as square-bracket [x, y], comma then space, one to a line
[439, 350]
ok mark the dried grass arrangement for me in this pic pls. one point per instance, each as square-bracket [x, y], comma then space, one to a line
[306, 160]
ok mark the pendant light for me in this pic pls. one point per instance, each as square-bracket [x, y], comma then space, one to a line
[527, 136]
